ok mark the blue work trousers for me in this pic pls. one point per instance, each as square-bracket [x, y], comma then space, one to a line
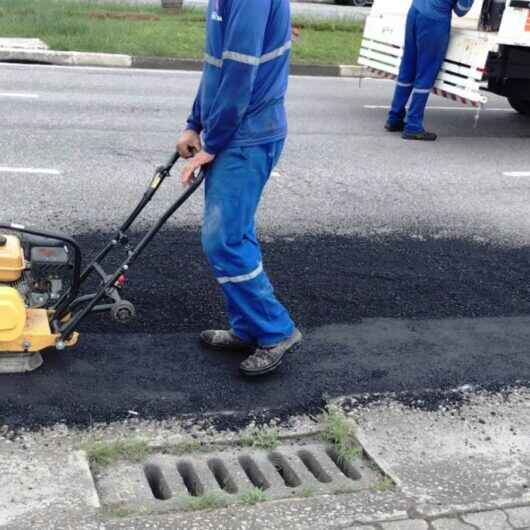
[426, 44]
[233, 187]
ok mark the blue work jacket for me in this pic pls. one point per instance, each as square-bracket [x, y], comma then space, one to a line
[246, 68]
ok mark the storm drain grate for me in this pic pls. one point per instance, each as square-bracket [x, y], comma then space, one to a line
[287, 471]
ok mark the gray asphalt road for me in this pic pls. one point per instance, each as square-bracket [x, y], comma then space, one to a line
[406, 264]
[106, 129]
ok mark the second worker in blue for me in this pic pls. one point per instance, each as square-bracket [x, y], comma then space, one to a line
[426, 41]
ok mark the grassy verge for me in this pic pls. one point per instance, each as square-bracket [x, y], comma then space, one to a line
[151, 31]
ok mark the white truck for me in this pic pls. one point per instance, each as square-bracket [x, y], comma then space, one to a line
[489, 50]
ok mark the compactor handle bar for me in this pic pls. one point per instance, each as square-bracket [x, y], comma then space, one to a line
[63, 307]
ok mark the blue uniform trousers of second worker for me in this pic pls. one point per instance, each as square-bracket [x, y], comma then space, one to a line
[426, 44]
[233, 187]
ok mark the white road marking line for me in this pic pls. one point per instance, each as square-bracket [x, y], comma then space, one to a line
[516, 173]
[276, 174]
[18, 95]
[471, 109]
[29, 170]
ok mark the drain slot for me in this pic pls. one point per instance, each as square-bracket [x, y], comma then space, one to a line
[285, 470]
[190, 478]
[346, 468]
[314, 466]
[222, 476]
[253, 472]
[157, 482]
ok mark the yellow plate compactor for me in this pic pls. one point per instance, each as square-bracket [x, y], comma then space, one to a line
[42, 300]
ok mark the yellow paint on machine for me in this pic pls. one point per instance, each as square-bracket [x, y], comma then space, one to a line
[11, 259]
[24, 330]
[12, 315]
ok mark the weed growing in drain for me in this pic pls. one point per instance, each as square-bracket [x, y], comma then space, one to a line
[253, 496]
[185, 447]
[104, 453]
[308, 492]
[260, 437]
[339, 430]
[384, 484]
[210, 501]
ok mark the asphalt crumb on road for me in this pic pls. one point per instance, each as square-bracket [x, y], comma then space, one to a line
[340, 290]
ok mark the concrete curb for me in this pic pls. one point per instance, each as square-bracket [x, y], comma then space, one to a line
[64, 58]
[67, 58]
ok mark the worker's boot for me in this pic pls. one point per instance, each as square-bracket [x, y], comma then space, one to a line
[225, 341]
[395, 127]
[266, 360]
[422, 136]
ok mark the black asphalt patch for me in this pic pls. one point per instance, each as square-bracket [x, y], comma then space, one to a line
[381, 314]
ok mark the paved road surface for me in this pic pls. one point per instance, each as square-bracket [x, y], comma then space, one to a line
[406, 265]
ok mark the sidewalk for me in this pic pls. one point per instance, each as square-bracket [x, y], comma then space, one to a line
[463, 466]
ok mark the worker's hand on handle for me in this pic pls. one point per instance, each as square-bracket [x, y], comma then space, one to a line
[202, 158]
[189, 143]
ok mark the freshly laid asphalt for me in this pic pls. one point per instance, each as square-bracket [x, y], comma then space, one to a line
[406, 265]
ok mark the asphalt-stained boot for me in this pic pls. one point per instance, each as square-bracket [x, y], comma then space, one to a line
[423, 136]
[266, 360]
[225, 341]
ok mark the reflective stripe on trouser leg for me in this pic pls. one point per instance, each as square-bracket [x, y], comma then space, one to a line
[233, 188]
[407, 72]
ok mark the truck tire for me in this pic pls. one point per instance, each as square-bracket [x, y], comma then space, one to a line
[522, 106]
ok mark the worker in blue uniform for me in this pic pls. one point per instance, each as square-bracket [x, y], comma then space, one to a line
[426, 42]
[236, 132]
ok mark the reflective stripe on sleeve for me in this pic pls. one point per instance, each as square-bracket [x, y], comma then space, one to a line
[241, 58]
[210, 59]
[248, 59]
[274, 54]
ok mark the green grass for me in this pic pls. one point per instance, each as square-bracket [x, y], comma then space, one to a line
[339, 431]
[252, 497]
[260, 437]
[104, 454]
[384, 484]
[185, 447]
[67, 25]
[210, 501]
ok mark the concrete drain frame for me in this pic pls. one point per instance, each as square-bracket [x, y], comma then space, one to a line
[168, 483]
